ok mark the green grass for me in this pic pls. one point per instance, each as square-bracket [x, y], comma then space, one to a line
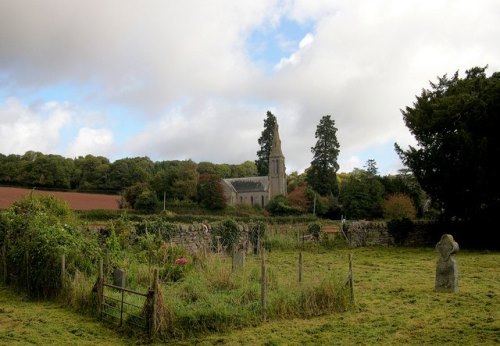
[27, 322]
[394, 291]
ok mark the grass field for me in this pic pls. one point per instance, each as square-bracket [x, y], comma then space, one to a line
[395, 305]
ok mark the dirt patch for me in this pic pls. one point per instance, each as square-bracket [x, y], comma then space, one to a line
[76, 200]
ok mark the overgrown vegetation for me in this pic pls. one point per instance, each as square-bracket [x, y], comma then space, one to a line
[201, 292]
[36, 232]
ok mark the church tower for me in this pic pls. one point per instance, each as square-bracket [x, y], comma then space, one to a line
[277, 176]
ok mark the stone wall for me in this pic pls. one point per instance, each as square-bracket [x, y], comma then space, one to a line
[376, 233]
[198, 238]
[368, 233]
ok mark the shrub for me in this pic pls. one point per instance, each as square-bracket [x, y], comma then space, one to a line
[38, 230]
[398, 206]
[279, 206]
[146, 202]
[228, 231]
[314, 229]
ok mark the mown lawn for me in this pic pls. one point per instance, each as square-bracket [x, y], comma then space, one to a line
[25, 322]
[395, 304]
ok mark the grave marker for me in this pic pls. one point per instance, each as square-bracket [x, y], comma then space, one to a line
[446, 268]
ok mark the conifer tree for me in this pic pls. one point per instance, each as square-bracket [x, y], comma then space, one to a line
[321, 175]
[265, 143]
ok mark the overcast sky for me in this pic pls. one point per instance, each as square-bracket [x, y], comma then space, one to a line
[194, 79]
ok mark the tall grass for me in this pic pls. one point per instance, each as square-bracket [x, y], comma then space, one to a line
[77, 293]
[215, 299]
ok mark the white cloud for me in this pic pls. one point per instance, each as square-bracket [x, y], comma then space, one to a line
[91, 141]
[350, 163]
[23, 128]
[361, 63]
[210, 130]
[294, 58]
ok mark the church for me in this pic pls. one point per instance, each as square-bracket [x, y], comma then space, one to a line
[259, 190]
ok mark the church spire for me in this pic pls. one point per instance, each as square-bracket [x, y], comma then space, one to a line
[276, 147]
[277, 176]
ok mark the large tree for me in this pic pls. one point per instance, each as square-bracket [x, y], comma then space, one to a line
[456, 124]
[361, 194]
[321, 175]
[265, 143]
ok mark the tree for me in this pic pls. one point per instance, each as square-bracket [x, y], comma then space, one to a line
[371, 167]
[398, 206]
[405, 183]
[210, 192]
[126, 172]
[321, 175]
[361, 195]
[456, 125]
[245, 169]
[265, 143]
[177, 179]
[91, 172]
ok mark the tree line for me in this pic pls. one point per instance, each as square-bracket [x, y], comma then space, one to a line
[143, 183]
[451, 174]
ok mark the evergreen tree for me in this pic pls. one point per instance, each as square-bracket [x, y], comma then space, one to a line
[265, 143]
[321, 175]
[456, 126]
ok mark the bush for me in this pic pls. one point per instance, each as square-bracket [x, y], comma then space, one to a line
[279, 206]
[229, 233]
[399, 206]
[314, 229]
[147, 202]
[38, 230]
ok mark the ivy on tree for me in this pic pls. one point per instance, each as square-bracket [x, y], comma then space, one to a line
[321, 175]
[265, 143]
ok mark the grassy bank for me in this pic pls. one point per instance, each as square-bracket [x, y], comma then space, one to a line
[395, 304]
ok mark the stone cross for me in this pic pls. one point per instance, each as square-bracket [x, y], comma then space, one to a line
[446, 268]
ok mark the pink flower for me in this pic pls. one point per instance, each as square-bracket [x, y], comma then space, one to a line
[181, 260]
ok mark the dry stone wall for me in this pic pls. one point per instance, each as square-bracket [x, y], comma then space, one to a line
[198, 238]
[368, 233]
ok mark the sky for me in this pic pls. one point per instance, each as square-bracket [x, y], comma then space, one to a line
[193, 79]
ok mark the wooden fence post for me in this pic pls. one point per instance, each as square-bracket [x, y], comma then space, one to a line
[63, 269]
[300, 266]
[121, 308]
[26, 259]
[100, 288]
[263, 288]
[351, 279]
[4, 263]
[154, 308]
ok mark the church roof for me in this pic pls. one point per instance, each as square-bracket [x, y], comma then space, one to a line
[249, 184]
